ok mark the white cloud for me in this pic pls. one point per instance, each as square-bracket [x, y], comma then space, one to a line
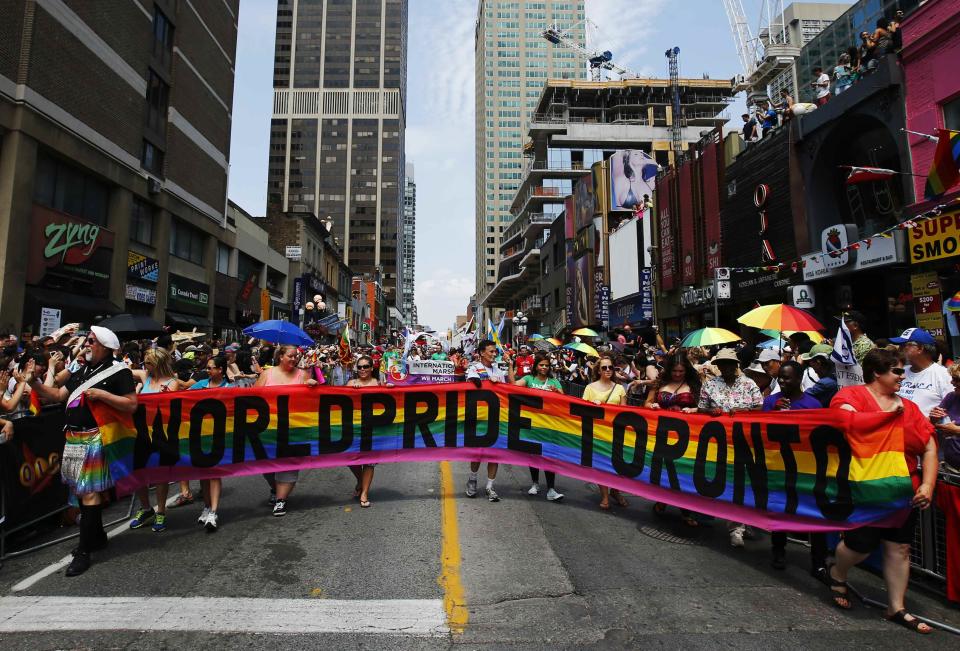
[628, 45]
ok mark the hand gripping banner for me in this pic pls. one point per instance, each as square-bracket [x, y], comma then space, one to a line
[823, 469]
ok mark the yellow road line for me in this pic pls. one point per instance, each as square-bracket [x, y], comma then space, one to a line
[454, 601]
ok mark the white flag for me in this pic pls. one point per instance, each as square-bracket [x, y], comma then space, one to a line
[843, 346]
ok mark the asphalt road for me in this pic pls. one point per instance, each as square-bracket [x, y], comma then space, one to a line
[530, 574]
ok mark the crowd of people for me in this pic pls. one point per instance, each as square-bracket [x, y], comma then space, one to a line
[904, 373]
[853, 65]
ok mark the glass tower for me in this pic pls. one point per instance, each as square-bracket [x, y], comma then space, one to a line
[512, 63]
[337, 133]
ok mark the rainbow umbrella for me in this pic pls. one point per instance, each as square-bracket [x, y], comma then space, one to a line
[815, 336]
[536, 337]
[581, 347]
[953, 304]
[554, 341]
[779, 317]
[585, 332]
[708, 337]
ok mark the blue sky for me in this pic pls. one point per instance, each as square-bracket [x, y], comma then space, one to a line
[440, 128]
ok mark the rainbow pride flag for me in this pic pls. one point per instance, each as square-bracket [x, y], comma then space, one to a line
[945, 169]
[808, 470]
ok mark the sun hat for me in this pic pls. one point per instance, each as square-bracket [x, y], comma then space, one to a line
[768, 355]
[819, 350]
[726, 355]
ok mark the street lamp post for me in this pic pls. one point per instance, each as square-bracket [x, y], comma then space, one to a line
[520, 327]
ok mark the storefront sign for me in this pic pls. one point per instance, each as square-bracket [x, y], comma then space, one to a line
[696, 296]
[71, 246]
[928, 303]
[802, 296]
[832, 261]
[298, 293]
[189, 296]
[762, 284]
[636, 310]
[141, 294]
[49, 320]
[935, 238]
[601, 298]
[294, 253]
[141, 267]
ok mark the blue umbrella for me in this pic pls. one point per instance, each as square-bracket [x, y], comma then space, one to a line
[773, 343]
[279, 332]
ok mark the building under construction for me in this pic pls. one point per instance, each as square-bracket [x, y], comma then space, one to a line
[570, 111]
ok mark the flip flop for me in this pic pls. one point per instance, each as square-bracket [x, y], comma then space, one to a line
[364, 504]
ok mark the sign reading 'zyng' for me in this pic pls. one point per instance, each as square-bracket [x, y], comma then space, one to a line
[821, 469]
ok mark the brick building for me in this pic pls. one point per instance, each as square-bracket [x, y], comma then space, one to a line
[115, 122]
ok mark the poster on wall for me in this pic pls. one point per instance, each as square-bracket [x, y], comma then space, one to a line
[928, 303]
[141, 267]
[579, 290]
[632, 174]
[584, 202]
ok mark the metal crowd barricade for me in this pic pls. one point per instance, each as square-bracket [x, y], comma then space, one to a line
[6, 532]
[928, 553]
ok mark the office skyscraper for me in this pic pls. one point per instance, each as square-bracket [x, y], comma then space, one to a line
[337, 133]
[408, 248]
[513, 62]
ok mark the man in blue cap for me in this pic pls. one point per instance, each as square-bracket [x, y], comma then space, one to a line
[925, 381]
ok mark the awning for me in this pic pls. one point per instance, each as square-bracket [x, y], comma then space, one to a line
[188, 319]
[92, 305]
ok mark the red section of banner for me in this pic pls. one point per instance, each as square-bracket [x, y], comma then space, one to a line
[710, 179]
[688, 249]
[668, 244]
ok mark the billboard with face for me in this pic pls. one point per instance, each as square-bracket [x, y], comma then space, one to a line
[632, 174]
[584, 202]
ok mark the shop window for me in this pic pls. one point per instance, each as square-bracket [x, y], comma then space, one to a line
[187, 242]
[61, 186]
[141, 222]
[247, 266]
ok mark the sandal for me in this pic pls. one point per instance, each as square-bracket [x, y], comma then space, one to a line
[900, 617]
[620, 500]
[182, 500]
[604, 506]
[364, 504]
[840, 599]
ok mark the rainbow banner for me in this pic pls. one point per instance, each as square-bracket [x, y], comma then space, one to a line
[808, 470]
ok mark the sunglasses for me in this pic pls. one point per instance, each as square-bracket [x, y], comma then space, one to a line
[897, 371]
[91, 340]
[362, 367]
[606, 368]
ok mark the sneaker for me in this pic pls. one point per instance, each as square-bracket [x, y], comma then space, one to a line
[211, 522]
[554, 496]
[472, 487]
[736, 537]
[492, 495]
[160, 523]
[534, 490]
[280, 508]
[273, 498]
[203, 515]
[142, 518]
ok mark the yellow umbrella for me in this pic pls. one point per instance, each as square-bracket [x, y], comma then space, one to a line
[585, 332]
[555, 341]
[581, 347]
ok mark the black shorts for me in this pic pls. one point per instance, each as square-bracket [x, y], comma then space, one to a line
[865, 539]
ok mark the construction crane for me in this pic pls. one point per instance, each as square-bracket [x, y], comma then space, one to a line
[598, 60]
[744, 41]
[676, 122]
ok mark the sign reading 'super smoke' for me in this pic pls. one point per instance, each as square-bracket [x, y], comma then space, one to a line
[821, 469]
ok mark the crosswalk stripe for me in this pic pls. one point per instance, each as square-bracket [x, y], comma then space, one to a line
[409, 617]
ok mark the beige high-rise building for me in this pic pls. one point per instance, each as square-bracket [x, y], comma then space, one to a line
[513, 63]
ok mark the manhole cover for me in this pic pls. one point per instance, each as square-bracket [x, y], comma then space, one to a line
[665, 536]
